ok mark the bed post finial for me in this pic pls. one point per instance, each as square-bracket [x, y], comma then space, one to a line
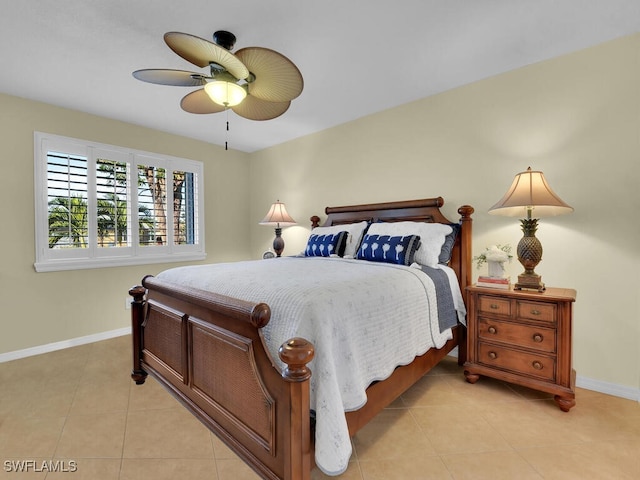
[466, 211]
[315, 221]
[466, 222]
[296, 353]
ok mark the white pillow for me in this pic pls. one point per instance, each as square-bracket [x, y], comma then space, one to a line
[432, 236]
[353, 229]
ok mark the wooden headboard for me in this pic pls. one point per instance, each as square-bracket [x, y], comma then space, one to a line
[425, 210]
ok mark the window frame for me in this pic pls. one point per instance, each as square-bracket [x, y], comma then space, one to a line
[51, 259]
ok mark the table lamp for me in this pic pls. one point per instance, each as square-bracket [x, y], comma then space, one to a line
[278, 217]
[530, 194]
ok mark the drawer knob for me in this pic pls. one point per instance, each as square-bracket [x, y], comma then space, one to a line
[493, 330]
[493, 355]
[537, 365]
[537, 338]
[535, 312]
[493, 306]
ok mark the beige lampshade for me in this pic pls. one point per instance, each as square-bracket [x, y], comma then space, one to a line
[530, 196]
[278, 216]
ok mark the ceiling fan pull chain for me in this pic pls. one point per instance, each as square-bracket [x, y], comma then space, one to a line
[226, 146]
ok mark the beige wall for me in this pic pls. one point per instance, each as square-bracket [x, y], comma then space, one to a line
[576, 118]
[42, 308]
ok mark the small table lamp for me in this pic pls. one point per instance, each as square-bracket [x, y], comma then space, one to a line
[278, 217]
[530, 193]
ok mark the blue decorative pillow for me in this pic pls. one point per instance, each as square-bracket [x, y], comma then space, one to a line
[447, 247]
[388, 249]
[324, 245]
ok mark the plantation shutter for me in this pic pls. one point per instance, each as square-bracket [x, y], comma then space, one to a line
[112, 203]
[67, 181]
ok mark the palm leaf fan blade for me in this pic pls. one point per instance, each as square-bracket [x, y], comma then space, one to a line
[200, 103]
[256, 109]
[176, 78]
[277, 79]
[202, 52]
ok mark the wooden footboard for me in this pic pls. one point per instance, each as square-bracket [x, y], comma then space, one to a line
[207, 350]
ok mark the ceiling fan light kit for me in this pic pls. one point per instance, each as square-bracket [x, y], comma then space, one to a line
[225, 93]
[256, 83]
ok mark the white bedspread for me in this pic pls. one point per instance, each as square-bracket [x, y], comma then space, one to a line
[363, 318]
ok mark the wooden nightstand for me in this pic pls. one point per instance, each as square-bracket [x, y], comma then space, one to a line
[522, 337]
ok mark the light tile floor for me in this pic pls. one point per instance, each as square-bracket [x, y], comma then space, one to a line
[77, 409]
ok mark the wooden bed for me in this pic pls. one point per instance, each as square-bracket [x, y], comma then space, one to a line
[208, 351]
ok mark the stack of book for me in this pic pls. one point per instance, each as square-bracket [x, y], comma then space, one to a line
[494, 282]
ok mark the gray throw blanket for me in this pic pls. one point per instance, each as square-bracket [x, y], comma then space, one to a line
[447, 315]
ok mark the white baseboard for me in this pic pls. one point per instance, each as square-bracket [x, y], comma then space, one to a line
[608, 388]
[596, 385]
[73, 342]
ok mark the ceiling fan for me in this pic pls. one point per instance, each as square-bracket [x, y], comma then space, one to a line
[256, 83]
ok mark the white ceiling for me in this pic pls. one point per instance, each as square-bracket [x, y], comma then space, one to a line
[357, 57]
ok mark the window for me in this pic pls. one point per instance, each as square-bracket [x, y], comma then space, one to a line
[103, 206]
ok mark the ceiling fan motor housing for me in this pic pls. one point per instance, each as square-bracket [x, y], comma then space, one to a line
[224, 39]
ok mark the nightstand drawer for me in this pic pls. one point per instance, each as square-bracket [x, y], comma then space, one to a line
[494, 305]
[542, 312]
[517, 361]
[537, 338]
